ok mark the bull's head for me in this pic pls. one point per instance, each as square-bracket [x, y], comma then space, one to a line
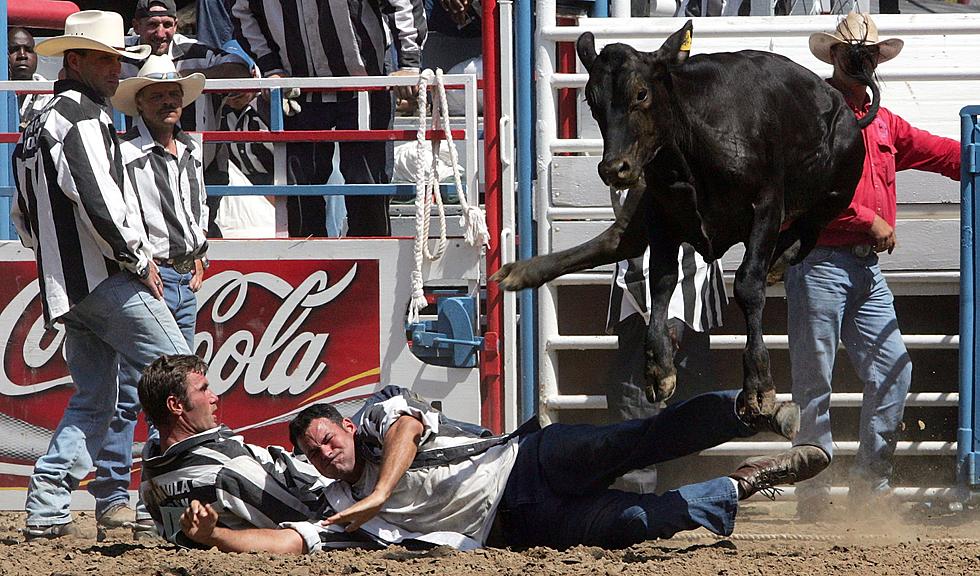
[628, 95]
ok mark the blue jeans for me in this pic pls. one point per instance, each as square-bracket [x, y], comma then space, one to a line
[112, 468]
[558, 492]
[835, 296]
[119, 319]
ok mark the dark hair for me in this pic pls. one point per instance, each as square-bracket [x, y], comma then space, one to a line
[302, 421]
[165, 377]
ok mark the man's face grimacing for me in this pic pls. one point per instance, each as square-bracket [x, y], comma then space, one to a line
[156, 31]
[21, 58]
[160, 105]
[198, 412]
[99, 70]
[330, 448]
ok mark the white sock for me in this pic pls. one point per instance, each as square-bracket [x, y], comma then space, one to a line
[738, 487]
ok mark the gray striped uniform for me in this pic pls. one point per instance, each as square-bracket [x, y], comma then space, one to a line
[169, 192]
[247, 485]
[328, 38]
[30, 105]
[254, 159]
[70, 206]
[698, 299]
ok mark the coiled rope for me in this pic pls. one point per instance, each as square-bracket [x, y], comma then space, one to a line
[472, 220]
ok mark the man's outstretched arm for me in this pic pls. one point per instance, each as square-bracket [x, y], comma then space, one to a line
[400, 447]
[199, 522]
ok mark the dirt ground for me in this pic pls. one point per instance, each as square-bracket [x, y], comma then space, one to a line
[767, 541]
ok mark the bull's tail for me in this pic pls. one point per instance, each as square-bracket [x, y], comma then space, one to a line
[860, 65]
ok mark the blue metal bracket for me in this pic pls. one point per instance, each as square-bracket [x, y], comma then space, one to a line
[450, 339]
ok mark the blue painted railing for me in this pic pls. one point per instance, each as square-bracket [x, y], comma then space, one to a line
[968, 431]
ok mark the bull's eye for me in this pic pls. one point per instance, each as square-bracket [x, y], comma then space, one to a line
[641, 96]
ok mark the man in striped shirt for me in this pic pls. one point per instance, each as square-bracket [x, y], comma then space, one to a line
[155, 23]
[95, 272]
[334, 38]
[695, 307]
[165, 166]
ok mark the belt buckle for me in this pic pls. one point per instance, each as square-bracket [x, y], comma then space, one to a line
[183, 266]
[862, 250]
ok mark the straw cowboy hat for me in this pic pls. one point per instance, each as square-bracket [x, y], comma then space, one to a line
[856, 28]
[156, 70]
[92, 30]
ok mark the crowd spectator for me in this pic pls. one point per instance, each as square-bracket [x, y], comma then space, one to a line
[22, 65]
[333, 38]
[96, 272]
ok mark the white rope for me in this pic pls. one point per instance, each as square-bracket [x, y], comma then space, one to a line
[427, 192]
[473, 220]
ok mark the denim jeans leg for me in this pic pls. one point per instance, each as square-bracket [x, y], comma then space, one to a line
[816, 293]
[181, 301]
[878, 353]
[81, 433]
[616, 519]
[126, 318]
[112, 479]
[582, 459]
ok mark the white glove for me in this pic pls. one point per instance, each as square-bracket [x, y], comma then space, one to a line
[290, 103]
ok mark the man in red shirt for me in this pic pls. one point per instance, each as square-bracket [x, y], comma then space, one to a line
[838, 293]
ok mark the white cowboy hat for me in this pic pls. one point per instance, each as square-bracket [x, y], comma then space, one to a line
[156, 70]
[92, 30]
[856, 28]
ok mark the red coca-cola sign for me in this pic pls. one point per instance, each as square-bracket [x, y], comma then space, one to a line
[277, 334]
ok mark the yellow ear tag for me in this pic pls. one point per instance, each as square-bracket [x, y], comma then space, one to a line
[686, 45]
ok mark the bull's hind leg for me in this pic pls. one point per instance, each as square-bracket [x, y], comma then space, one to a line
[661, 375]
[626, 238]
[758, 392]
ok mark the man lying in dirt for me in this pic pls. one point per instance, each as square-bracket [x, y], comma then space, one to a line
[404, 473]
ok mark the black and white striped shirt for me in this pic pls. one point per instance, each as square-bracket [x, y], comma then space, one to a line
[328, 38]
[698, 299]
[254, 159]
[169, 192]
[70, 206]
[30, 105]
[248, 486]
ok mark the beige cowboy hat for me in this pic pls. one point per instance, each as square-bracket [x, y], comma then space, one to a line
[856, 28]
[92, 30]
[156, 70]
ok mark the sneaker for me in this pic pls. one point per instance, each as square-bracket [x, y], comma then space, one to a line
[784, 420]
[69, 530]
[118, 516]
[765, 473]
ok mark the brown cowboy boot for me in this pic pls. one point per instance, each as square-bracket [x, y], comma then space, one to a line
[765, 473]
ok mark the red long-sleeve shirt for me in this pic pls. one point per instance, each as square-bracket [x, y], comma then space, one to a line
[891, 144]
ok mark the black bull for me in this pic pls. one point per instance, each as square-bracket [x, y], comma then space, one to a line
[715, 149]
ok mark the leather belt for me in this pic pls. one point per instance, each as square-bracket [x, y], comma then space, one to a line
[180, 265]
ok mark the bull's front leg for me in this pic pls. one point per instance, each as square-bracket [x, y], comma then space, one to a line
[661, 375]
[758, 392]
[626, 238]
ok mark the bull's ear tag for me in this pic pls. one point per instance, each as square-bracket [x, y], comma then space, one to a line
[686, 44]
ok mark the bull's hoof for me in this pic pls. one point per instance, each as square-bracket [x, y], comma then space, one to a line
[754, 403]
[514, 276]
[661, 390]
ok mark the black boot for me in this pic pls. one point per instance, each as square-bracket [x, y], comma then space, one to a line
[764, 473]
